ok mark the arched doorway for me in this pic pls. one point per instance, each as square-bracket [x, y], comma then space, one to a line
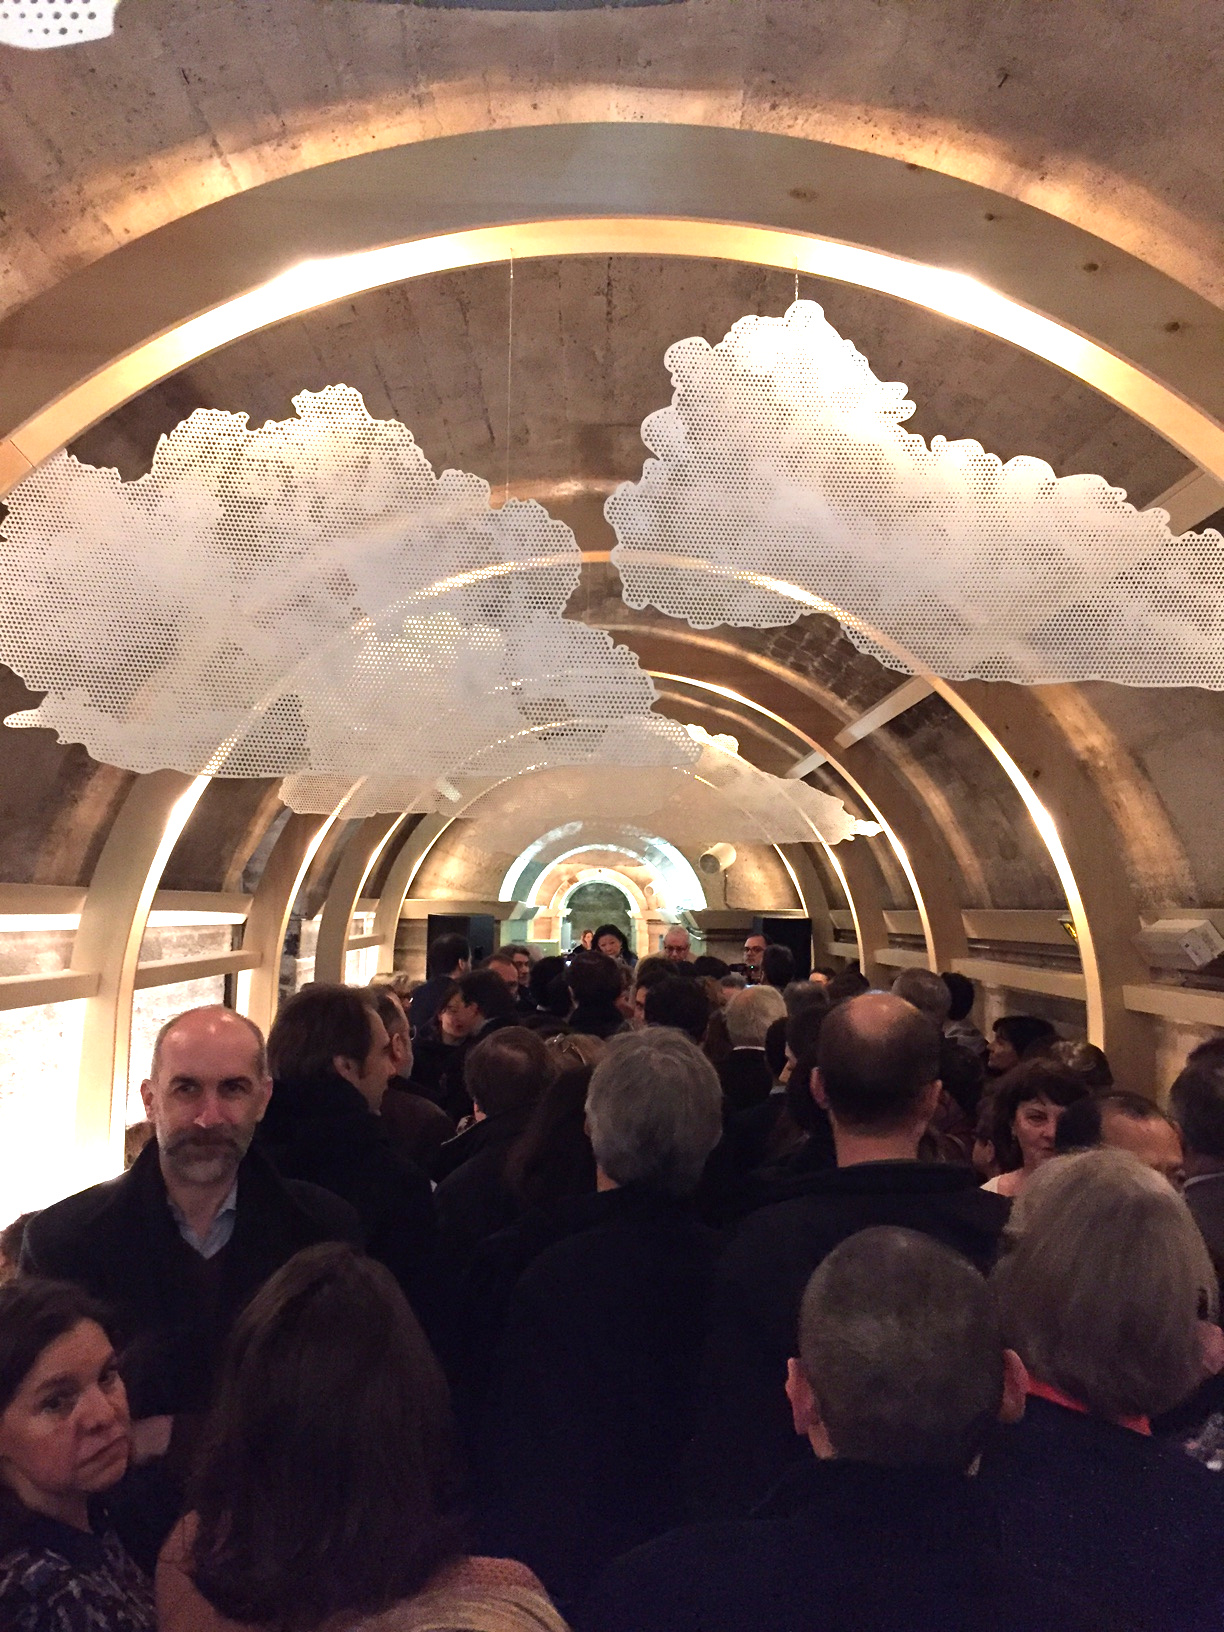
[593, 903]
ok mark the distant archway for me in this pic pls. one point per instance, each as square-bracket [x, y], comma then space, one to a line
[595, 901]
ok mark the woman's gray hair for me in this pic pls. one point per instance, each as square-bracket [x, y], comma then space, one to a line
[1103, 1279]
[654, 1111]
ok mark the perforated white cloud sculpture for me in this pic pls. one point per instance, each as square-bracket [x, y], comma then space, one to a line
[37, 25]
[722, 798]
[782, 477]
[309, 600]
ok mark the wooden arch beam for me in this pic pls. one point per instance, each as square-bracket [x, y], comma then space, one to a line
[108, 332]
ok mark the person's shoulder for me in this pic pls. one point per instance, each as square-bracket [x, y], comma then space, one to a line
[76, 1218]
[331, 1215]
[667, 1581]
[30, 1579]
[490, 1575]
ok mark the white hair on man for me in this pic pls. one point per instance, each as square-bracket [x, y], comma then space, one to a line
[654, 1111]
[750, 1013]
[1102, 1283]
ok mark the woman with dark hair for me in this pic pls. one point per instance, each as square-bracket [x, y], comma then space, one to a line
[605, 936]
[327, 1491]
[65, 1440]
[1017, 1037]
[552, 1161]
[1028, 1101]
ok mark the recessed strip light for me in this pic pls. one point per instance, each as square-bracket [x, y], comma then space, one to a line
[316, 283]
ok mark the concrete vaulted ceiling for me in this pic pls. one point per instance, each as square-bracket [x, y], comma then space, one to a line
[150, 179]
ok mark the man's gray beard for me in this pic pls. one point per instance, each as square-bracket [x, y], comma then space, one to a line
[203, 1165]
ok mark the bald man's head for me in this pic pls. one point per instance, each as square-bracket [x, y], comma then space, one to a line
[878, 1058]
[206, 1093]
[212, 1021]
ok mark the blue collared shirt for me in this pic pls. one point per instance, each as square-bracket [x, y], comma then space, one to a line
[219, 1231]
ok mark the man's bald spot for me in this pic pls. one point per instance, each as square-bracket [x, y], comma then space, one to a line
[876, 1054]
[221, 1016]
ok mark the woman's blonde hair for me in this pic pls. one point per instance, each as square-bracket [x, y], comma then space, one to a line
[1103, 1279]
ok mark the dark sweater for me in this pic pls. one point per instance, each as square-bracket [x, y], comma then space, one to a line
[1133, 1522]
[593, 1403]
[840, 1547]
[321, 1129]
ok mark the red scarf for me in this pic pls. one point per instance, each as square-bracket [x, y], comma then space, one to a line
[1047, 1391]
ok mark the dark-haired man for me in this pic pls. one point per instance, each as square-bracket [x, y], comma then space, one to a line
[596, 983]
[680, 1003]
[878, 1080]
[448, 957]
[1196, 1101]
[1122, 1121]
[331, 1060]
[504, 1075]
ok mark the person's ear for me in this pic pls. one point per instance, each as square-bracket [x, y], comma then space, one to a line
[350, 1070]
[1211, 1347]
[804, 1413]
[816, 1088]
[1015, 1387]
[146, 1096]
[930, 1099]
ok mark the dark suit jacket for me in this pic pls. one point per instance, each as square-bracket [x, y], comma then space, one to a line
[1205, 1199]
[746, 1079]
[119, 1242]
[841, 1547]
[321, 1130]
[746, 1440]
[598, 1020]
[1136, 1523]
[594, 1382]
[423, 1005]
[472, 1200]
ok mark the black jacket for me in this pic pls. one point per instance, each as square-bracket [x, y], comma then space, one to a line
[437, 1071]
[473, 1200]
[842, 1547]
[746, 1439]
[598, 1020]
[1134, 1522]
[592, 1405]
[746, 1079]
[120, 1242]
[423, 1005]
[321, 1130]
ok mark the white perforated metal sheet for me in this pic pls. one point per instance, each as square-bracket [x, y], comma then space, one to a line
[722, 798]
[37, 25]
[783, 480]
[308, 599]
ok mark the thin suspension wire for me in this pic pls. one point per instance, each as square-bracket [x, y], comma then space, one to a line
[796, 278]
[509, 374]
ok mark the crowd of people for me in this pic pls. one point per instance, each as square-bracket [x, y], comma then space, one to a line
[627, 1295]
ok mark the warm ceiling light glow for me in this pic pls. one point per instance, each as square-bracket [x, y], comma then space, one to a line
[319, 282]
